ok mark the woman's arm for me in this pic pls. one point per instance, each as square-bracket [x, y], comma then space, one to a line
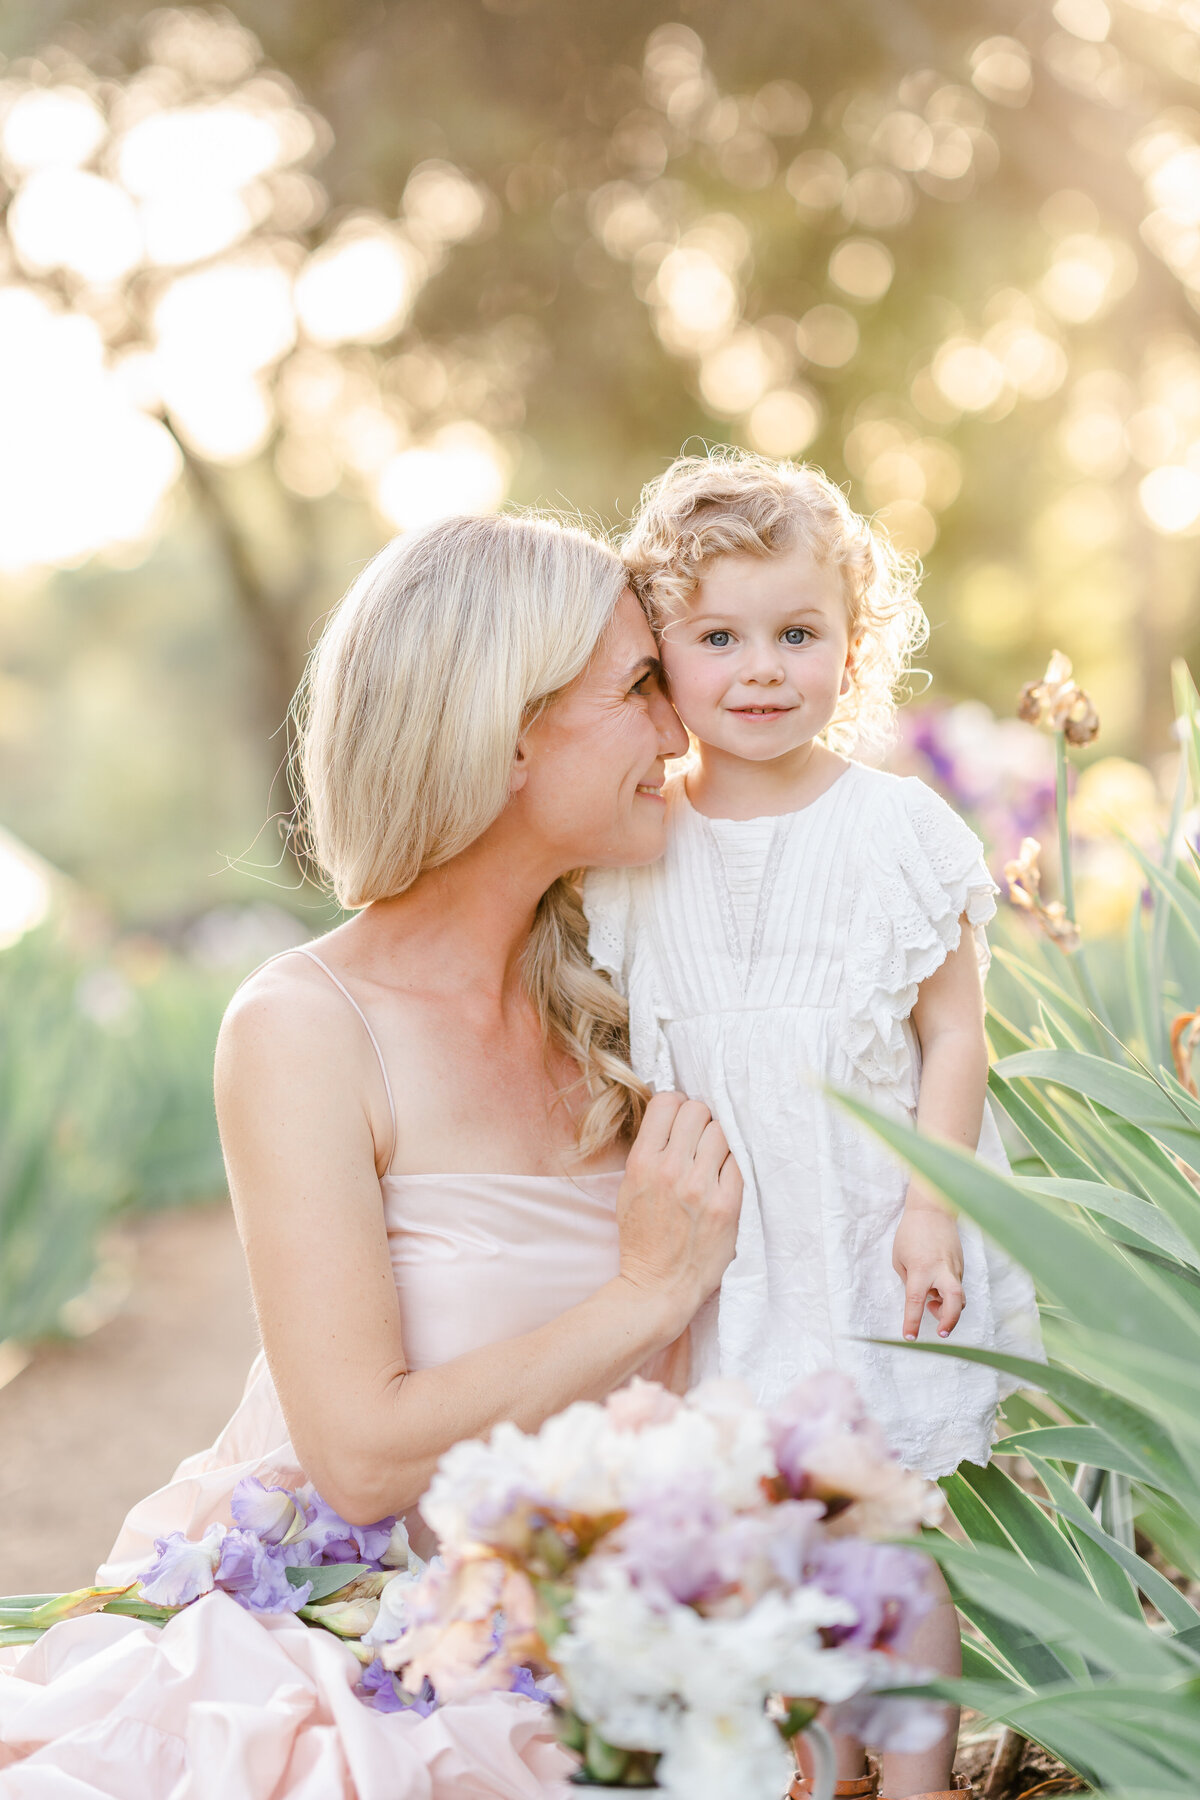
[301, 1150]
[948, 1018]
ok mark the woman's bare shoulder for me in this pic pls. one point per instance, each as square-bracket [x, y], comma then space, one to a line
[285, 1014]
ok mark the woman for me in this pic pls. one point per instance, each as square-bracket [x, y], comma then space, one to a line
[426, 1118]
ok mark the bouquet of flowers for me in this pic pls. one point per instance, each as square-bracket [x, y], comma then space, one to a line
[686, 1582]
[286, 1552]
[691, 1579]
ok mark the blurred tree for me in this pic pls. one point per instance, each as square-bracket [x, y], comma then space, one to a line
[327, 272]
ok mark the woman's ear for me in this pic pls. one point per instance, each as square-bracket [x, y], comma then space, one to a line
[519, 773]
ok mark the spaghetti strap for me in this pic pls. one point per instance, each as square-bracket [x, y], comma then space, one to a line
[303, 950]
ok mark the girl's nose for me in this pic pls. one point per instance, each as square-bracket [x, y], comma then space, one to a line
[762, 665]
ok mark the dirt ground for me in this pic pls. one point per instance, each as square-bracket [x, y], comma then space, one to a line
[92, 1424]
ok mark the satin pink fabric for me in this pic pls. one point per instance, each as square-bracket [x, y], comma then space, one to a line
[223, 1705]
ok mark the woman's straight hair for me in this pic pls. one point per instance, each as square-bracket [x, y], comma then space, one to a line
[408, 718]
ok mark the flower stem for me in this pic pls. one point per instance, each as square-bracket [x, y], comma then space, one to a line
[824, 1761]
[1064, 827]
[1076, 958]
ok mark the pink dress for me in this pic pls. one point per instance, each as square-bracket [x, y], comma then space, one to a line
[222, 1704]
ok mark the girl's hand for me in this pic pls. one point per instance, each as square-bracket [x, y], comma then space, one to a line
[678, 1206]
[927, 1256]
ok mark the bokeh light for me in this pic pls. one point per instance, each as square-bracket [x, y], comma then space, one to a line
[1170, 498]
[71, 219]
[785, 421]
[462, 469]
[51, 128]
[80, 467]
[359, 287]
[862, 268]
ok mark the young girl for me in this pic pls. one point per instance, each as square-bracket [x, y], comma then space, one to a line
[814, 923]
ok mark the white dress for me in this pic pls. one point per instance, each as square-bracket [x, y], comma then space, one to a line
[764, 959]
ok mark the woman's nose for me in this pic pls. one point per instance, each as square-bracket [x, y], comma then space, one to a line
[672, 734]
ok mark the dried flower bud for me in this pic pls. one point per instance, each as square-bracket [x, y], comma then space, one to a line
[1023, 875]
[1082, 722]
[1024, 878]
[1058, 927]
[1058, 703]
[1185, 1034]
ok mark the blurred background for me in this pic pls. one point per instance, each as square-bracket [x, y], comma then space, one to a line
[279, 281]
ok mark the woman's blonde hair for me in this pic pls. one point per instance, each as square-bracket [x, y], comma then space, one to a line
[407, 721]
[732, 502]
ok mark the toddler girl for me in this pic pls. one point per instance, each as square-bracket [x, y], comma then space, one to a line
[814, 922]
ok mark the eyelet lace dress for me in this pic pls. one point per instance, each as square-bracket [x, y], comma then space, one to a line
[765, 960]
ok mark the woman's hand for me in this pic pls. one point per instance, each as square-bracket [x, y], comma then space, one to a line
[678, 1206]
[927, 1256]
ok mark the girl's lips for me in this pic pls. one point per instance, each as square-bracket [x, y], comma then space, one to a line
[760, 712]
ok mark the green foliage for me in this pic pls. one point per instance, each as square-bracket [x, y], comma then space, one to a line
[105, 1105]
[998, 407]
[1083, 1630]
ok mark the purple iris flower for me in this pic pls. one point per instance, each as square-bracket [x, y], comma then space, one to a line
[823, 1406]
[253, 1574]
[757, 1549]
[887, 1584]
[670, 1546]
[381, 1690]
[182, 1570]
[333, 1539]
[269, 1512]
[523, 1683]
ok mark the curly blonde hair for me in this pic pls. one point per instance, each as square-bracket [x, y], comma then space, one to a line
[498, 615]
[734, 503]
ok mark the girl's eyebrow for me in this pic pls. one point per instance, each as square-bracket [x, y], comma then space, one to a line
[792, 612]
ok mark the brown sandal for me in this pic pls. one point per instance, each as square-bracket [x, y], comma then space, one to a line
[865, 1787]
[961, 1786]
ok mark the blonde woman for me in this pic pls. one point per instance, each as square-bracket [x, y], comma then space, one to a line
[427, 1118]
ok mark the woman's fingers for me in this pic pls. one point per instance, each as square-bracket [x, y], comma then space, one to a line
[657, 1120]
[688, 1126]
[678, 1208]
[712, 1149]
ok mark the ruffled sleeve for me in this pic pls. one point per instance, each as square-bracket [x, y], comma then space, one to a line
[607, 904]
[614, 945]
[923, 870]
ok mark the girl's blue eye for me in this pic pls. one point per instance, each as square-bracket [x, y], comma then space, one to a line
[718, 639]
[796, 634]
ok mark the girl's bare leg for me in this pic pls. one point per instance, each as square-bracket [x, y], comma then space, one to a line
[936, 1644]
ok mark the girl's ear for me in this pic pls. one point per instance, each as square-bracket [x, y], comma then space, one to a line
[848, 671]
